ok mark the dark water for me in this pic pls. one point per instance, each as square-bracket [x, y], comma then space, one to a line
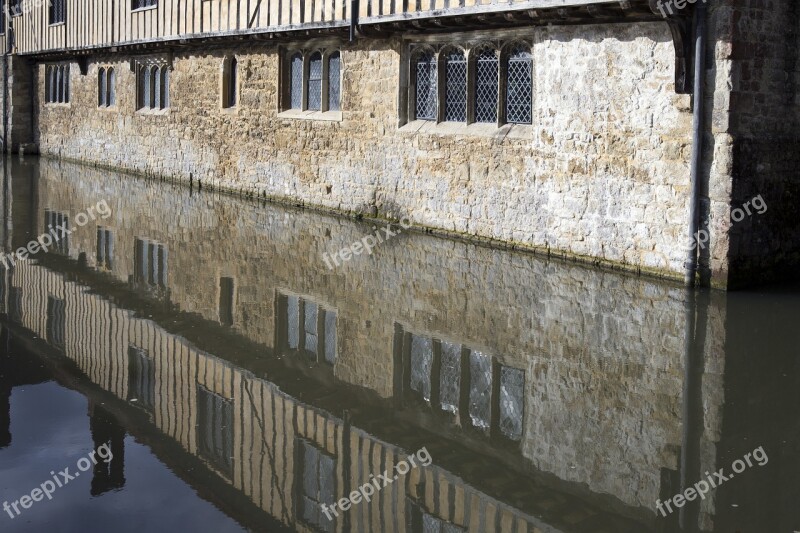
[226, 379]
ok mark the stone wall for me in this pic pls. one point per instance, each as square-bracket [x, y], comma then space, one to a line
[602, 173]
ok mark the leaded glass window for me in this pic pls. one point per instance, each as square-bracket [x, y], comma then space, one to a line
[334, 82]
[455, 107]
[486, 87]
[58, 11]
[102, 90]
[164, 87]
[519, 98]
[317, 486]
[155, 87]
[425, 69]
[297, 82]
[315, 82]
[111, 97]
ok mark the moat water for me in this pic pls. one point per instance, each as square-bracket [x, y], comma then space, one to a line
[186, 361]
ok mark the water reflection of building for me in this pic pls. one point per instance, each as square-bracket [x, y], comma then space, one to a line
[568, 385]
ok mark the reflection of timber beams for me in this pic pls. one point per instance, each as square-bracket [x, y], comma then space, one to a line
[190, 468]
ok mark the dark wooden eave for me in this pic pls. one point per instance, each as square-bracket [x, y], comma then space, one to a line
[456, 19]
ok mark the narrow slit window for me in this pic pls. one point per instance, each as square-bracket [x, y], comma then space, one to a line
[315, 82]
[297, 82]
[334, 82]
[101, 88]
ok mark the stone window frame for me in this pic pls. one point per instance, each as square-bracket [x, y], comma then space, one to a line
[472, 45]
[285, 107]
[230, 83]
[152, 85]
[107, 87]
[57, 84]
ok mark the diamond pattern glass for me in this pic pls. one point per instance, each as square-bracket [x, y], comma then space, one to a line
[519, 87]
[315, 82]
[426, 87]
[297, 81]
[455, 107]
[486, 73]
[334, 82]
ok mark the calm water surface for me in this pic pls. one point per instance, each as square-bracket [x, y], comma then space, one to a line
[228, 380]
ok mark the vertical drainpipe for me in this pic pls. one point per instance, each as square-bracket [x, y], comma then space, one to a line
[697, 138]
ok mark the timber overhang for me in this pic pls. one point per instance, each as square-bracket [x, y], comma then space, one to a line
[409, 20]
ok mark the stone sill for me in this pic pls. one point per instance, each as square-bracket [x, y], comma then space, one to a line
[510, 131]
[107, 108]
[65, 105]
[155, 112]
[328, 116]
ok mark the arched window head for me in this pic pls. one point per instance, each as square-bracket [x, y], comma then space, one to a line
[315, 82]
[164, 87]
[230, 74]
[296, 97]
[424, 66]
[155, 87]
[486, 85]
[455, 106]
[519, 85]
[111, 95]
[334, 82]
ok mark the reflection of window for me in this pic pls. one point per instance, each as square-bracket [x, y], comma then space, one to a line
[215, 429]
[474, 386]
[56, 322]
[105, 248]
[317, 486]
[512, 383]
[150, 263]
[421, 520]
[57, 223]
[141, 378]
[307, 327]
[226, 301]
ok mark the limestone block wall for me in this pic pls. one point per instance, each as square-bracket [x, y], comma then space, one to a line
[601, 173]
